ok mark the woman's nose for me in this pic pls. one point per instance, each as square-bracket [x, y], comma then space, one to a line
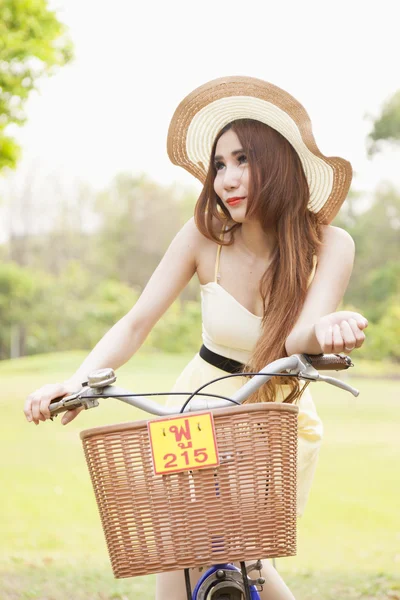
[232, 177]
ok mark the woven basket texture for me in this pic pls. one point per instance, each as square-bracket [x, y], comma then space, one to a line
[243, 509]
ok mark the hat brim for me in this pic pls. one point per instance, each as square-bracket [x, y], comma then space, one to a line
[204, 112]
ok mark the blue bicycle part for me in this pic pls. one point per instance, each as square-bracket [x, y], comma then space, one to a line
[222, 582]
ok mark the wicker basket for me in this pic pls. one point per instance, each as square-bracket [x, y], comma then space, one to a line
[243, 509]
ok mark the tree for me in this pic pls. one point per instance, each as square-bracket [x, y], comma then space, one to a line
[138, 219]
[33, 43]
[387, 126]
[376, 275]
[17, 293]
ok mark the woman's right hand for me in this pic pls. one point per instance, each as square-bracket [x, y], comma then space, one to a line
[36, 406]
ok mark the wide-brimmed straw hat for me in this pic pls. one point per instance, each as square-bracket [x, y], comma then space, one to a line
[205, 111]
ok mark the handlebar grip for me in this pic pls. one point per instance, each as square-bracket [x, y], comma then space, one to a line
[329, 362]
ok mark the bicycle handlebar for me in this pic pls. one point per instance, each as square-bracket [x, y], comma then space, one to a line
[300, 365]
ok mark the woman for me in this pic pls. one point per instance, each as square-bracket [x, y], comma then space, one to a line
[273, 290]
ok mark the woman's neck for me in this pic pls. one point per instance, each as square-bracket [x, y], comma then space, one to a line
[255, 240]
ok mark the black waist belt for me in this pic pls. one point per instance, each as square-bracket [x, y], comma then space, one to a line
[221, 362]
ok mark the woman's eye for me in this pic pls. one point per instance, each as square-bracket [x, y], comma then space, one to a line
[242, 159]
[219, 165]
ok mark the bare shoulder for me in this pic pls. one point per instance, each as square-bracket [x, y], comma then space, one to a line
[201, 249]
[189, 233]
[193, 237]
[337, 242]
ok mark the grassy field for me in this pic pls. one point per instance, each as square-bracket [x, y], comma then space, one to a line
[51, 541]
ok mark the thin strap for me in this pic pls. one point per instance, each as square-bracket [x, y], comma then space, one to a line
[313, 270]
[217, 274]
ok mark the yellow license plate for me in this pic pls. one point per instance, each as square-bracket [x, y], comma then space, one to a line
[183, 443]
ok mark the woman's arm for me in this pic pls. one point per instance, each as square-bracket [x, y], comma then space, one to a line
[120, 343]
[319, 328]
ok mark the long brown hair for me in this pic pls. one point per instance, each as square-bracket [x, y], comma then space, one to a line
[278, 195]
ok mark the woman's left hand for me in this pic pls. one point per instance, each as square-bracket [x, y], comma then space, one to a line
[341, 331]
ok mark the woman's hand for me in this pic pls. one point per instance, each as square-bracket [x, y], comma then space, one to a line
[36, 406]
[341, 331]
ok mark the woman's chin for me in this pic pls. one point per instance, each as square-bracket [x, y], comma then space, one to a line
[239, 216]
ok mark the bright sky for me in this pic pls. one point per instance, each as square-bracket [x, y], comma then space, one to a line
[109, 111]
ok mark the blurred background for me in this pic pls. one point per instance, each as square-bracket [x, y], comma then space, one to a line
[88, 205]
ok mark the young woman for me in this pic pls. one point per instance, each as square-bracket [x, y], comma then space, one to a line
[272, 271]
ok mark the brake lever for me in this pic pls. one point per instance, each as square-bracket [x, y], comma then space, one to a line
[97, 381]
[71, 402]
[340, 384]
[309, 373]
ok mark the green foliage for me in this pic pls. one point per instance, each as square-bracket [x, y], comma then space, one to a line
[138, 220]
[18, 292]
[383, 284]
[384, 335]
[375, 281]
[33, 43]
[73, 311]
[104, 306]
[387, 126]
[17, 288]
[87, 281]
[390, 330]
[179, 330]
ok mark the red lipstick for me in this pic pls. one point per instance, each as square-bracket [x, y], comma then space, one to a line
[234, 201]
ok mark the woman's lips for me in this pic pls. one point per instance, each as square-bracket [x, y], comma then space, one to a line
[234, 201]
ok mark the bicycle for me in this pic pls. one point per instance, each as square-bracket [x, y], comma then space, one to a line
[242, 463]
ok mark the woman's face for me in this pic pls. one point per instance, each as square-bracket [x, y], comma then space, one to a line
[232, 178]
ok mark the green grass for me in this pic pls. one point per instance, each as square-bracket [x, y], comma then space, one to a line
[51, 541]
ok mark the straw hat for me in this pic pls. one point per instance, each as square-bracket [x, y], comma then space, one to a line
[203, 113]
